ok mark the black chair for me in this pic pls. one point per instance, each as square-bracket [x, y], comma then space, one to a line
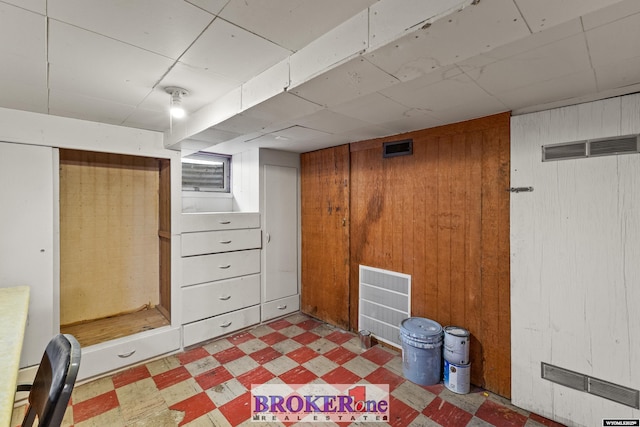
[51, 389]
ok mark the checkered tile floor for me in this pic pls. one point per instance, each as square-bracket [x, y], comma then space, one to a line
[210, 385]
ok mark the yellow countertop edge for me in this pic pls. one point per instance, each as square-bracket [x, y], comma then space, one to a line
[14, 308]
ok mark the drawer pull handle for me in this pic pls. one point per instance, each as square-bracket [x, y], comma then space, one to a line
[282, 307]
[224, 267]
[225, 242]
[224, 297]
[224, 222]
[225, 325]
[125, 355]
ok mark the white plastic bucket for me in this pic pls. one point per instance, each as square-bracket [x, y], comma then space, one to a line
[457, 377]
[421, 350]
[456, 345]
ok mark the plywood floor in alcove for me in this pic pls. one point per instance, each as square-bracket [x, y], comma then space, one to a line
[101, 330]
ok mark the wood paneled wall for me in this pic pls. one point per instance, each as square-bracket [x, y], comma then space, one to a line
[325, 234]
[442, 216]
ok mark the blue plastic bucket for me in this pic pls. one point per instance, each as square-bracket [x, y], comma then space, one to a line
[421, 350]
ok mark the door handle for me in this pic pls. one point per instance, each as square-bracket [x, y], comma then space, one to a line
[224, 297]
[224, 267]
[225, 242]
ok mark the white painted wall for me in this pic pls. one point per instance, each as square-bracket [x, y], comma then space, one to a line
[245, 181]
[194, 201]
[31, 129]
[575, 252]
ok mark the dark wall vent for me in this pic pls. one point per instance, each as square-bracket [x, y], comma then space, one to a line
[614, 146]
[397, 148]
[614, 392]
[628, 144]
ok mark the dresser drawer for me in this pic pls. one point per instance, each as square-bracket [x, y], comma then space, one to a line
[207, 268]
[280, 307]
[208, 242]
[115, 354]
[207, 329]
[214, 298]
[209, 221]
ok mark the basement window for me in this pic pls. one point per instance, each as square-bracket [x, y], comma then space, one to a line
[206, 172]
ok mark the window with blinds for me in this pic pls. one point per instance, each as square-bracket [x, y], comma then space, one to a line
[207, 172]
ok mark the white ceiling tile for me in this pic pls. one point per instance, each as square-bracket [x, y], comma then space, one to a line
[24, 58]
[408, 89]
[472, 110]
[534, 41]
[330, 122]
[143, 118]
[454, 93]
[611, 43]
[351, 80]
[451, 92]
[291, 23]
[368, 132]
[563, 87]
[212, 6]
[204, 86]
[166, 27]
[63, 103]
[390, 19]
[38, 6]
[266, 85]
[618, 74]
[23, 96]
[372, 108]
[100, 67]
[242, 124]
[233, 52]
[342, 43]
[412, 121]
[300, 133]
[553, 60]
[284, 106]
[610, 14]
[214, 136]
[543, 14]
[461, 35]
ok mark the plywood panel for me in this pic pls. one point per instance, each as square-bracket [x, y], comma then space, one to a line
[442, 216]
[325, 234]
[164, 234]
[109, 224]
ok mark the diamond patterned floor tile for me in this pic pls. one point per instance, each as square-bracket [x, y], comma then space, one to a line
[209, 385]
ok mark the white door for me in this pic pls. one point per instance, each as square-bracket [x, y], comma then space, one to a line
[26, 242]
[280, 246]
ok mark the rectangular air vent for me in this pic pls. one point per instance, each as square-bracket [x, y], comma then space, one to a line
[614, 146]
[385, 301]
[617, 393]
[577, 381]
[397, 148]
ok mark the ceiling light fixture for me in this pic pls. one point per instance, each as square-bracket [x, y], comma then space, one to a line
[175, 106]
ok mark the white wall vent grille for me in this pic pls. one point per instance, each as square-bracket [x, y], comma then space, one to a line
[628, 144]
[385, 301]
[617, 393]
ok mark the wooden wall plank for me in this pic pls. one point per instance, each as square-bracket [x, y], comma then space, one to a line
[447, 227]
[472, 263]
[325, 234]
